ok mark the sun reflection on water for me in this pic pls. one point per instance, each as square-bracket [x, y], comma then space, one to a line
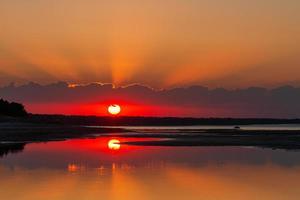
[114, 144]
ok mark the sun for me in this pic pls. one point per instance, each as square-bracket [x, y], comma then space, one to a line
[114, 109]
[114, 144]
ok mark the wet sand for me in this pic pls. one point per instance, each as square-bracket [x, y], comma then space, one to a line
[276, 139]
[23, 132]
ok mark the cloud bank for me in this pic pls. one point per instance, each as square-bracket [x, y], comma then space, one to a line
[139, 100]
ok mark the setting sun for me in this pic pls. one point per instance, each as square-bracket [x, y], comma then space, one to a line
[114, 109]
[114, 144]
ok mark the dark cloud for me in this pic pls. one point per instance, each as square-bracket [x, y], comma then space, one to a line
[281, 102]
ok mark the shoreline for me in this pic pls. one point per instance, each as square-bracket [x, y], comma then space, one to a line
[16, 132]
[23, 133]
[139, 121]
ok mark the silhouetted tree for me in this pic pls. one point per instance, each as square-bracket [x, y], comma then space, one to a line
[12, 109]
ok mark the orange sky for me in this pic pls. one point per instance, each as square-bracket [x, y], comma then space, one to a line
[235, 43]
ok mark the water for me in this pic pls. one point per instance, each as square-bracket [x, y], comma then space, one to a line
[246, 127]
[87, 169]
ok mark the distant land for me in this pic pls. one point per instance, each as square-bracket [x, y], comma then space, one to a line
[141, 121]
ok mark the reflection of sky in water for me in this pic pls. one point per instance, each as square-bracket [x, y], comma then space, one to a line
[246, 127]
[87, 169]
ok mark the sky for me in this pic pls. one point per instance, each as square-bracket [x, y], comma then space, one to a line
[139, 100]
[151, 55]
[162, 44]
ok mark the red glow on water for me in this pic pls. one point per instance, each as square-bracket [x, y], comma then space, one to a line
[99, 145]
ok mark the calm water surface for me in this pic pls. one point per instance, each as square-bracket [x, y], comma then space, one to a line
[246, 127]
[88, 169]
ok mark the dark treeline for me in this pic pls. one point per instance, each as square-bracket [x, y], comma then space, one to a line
[12, 109]
[11, 148]
[151, 121]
